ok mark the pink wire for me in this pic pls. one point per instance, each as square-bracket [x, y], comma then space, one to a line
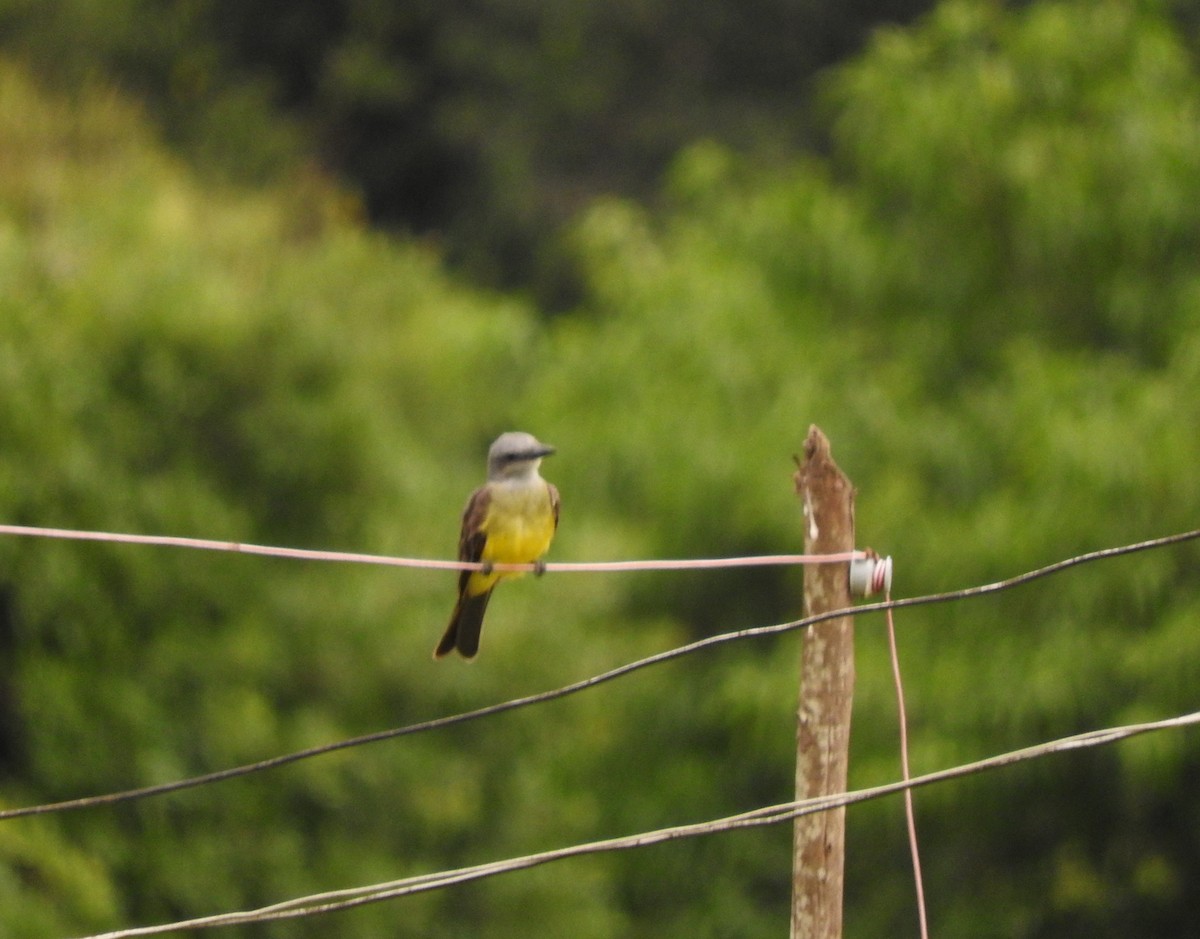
[908, 797]
[206, 544]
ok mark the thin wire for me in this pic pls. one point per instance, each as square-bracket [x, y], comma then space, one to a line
[333, 901]
[593, 681]
[305, 554]
[909, 812]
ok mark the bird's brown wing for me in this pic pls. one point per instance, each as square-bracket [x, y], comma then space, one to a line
[554, 502]
[471, 538]
[467, 619]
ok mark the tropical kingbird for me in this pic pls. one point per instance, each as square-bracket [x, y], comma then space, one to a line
[511, 519]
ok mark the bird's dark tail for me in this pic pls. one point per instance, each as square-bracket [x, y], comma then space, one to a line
[465, 624]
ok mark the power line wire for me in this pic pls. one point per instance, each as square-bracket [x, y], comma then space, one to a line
[909, 812]
[591, 682]
[353, 557]
[333, 901]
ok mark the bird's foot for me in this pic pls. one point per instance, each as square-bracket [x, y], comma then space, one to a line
[486, 568]
[539, 568]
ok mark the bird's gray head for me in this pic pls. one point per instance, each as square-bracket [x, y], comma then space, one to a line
[515, 454]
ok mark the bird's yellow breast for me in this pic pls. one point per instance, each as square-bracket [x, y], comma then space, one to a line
[519, 525]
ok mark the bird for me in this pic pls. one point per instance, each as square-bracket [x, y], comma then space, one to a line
[510, 519]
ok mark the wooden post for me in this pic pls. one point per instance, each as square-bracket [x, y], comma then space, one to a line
[826, 694]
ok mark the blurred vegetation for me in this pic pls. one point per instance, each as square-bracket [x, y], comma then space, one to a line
[985, 289]
[483, 126]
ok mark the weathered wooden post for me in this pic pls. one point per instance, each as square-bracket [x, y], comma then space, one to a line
[826, 694]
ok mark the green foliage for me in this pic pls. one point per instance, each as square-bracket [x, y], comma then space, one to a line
[224, 365]
[988, 299]
[988, 295]
[1030, 158]
[480, 121]
[168, 55]
[477, 122]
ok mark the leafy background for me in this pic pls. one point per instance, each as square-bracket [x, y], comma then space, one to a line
[279, 273]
